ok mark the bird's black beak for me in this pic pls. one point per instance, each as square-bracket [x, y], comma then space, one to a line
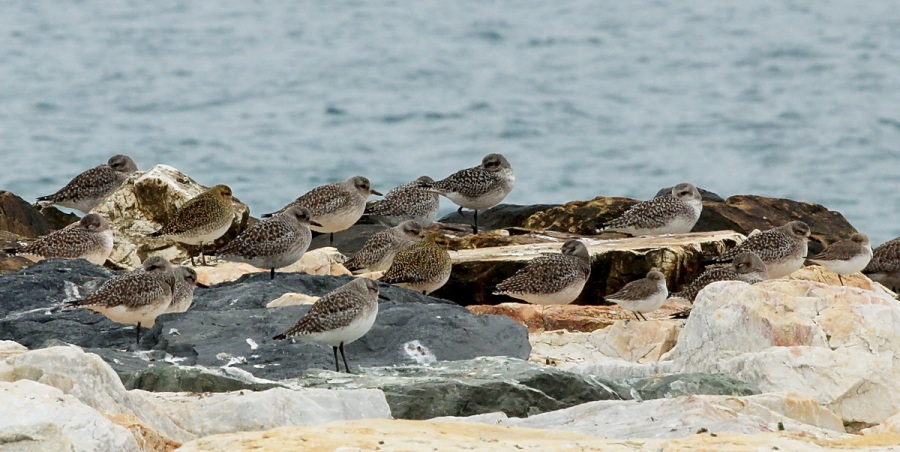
[376, 192]
[315, 223]
[201, 285]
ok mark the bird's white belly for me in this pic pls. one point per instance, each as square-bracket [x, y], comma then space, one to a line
[355, 330]
[206, 237]
[564, 296]
[644, 306]
[146, 315]
[853, 265]
[99, 255]
[784, 267]
[340, 220]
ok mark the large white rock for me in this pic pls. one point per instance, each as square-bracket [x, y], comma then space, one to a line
[184, 417]
[631, 341]
[38, 417]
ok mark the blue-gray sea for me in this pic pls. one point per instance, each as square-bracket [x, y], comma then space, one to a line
[790, 99]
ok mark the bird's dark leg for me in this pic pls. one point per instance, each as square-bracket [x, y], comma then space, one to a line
[192, 261]
[331, 239]
[475, 224]
[840, 279]
[202, 256]
[343, 355]
[337, 368]
[272, 274]
[639, 316]
[137, 331]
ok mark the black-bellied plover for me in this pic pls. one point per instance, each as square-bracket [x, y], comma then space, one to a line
[783, 249]
[339, 318]
[335, 206]
[202, 219]
[478, 188]
[134, 298]
[676, 213]
[88, 189]
[185, 282]
[423, 267]
[845, 257]
[885, 264]
[746, 267]
[551, 278]
[642, 296]
[379, 251]
[410, 201]
[272, 243]
[90, 238]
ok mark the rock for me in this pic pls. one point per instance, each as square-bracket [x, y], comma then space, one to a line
[679, 385]
[40, 417]
[229, 325]
[890, 425]
[192, 379]
[497, 217]
[482, 385]
[322, 261]
[823, 275]
[633, 341]
[20, 217]
[571, 317]
[291, 299]
[143, 203]
[614, 263]
[181, 416]
[580, 217]
[147, 438]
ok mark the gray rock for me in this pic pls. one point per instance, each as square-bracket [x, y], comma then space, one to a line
[189, 379]
[497, 217]
[676, 385]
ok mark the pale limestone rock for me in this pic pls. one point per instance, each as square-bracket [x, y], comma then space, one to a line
[291, 299]
[640, 342]
[890, 425]
[183, 417]
[39, 417]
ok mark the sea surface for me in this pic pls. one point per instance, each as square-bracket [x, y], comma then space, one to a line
[790, 99]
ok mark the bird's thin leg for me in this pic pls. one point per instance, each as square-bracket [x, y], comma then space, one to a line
[639, 316]
[343, 355]
[337, 368]
[137, 331]
[840, 279]
[202, 256]
[193, 264]
[272, 274]
[331, 239]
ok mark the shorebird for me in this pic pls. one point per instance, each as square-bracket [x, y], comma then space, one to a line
[379, 251]
[782, 249]
[885, 264]
[643, 295]
[409, 201]
[845, 257]
[338, 318]
[88, 189]
[551, 278]
[335, 207]
[423, 267]
[676, 213]
[477, 188]
[90, 238]
[203, 219]
[746, 267]
[274, 242]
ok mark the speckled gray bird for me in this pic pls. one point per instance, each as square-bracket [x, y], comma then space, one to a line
[134, 298]
[783, 249]
[201, 220]
[746, 267]
[272, 243]
[88, 189]
[335, 207]
[885, 264]
[339, 318]
[90, 238]
[552, 278]
[846, 256]
[423, 267]
[676, 213]
[410, 201]
[185, 282]
[479, 187]
[642, 296]
[378, 252]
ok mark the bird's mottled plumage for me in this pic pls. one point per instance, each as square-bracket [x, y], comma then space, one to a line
[846, 256]
[202, 219]
[479, 187]
[88, 189]
[885, 264]
[746, 267]
[335, 206]
[272, 243]
[423, 267]
[338, 318]
[90, 238]
[642, 296]
[410, 201]
[783, 249]
[183, 296]
[379, 251]
[551, 278]
[676, 213]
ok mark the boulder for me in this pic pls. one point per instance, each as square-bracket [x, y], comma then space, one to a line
[21, 218]
[572, 317]
[497, 217]
[633, 341]
[144, 203]
[321, 261]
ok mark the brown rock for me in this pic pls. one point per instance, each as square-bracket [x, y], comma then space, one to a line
[570, 317]
[147, 438]
[20, 217]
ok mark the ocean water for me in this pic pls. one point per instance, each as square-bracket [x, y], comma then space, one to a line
[779, 98]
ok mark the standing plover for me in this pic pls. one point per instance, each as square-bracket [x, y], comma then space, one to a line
[88, 189]
[410, 201]
[782, 249]
[746, 267]
[845, 257]
[478, 188]
[423, 267]
[676, 213]
[90, 238]
[202, 219]
[551, 278]
[134, 298]
[272, 243]
[340, 317]
[642, 296]
[885, 264]
[335, 207]
[379, 251]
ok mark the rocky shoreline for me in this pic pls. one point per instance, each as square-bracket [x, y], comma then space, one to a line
[798, 363]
